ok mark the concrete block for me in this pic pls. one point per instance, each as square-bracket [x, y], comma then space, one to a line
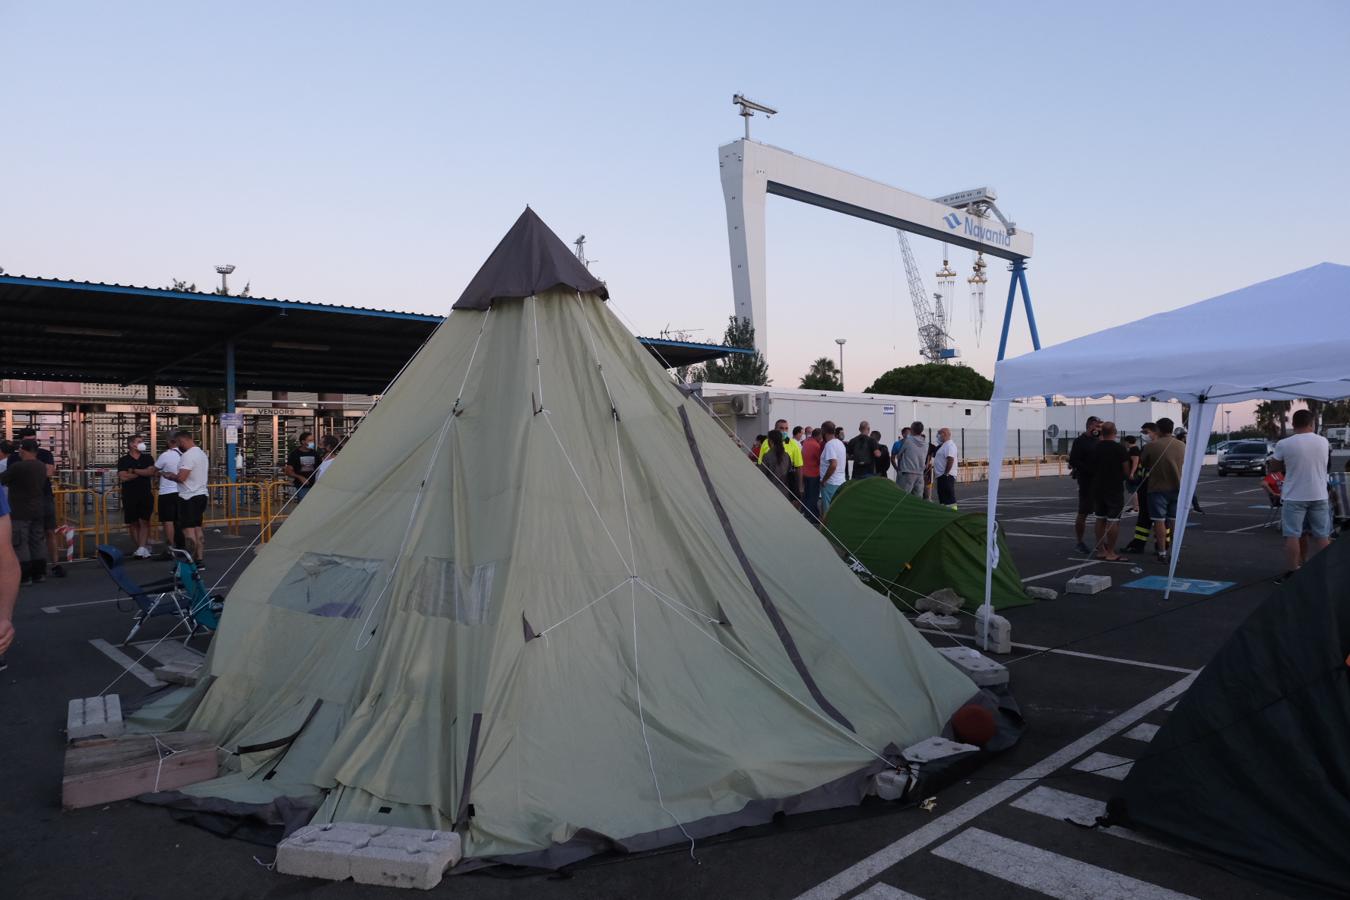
[92, 717]
[890, 784]
[1042, 593]
[943, 601]
[979, 668]
[178, 673]
[936, 748]
[993, 632]
[369, 854]
[1088, 584]
[931, 619]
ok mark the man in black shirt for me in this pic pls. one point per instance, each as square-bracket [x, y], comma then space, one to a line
[1110, 467]
[860, 450]
[303, 463]
[26, 479]
[49, 499]
[135, 471]
[1080, 467]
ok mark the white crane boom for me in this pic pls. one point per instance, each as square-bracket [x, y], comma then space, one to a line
[934, 342]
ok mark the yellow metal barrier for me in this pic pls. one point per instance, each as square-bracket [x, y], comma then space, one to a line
[231, 505]
[86, 511]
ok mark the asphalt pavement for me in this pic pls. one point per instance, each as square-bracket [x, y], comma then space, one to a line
[1092, 674]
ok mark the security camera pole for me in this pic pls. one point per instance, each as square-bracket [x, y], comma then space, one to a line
[749, 108]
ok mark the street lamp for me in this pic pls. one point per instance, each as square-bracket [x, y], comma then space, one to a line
[840, 342]
[1228, 424]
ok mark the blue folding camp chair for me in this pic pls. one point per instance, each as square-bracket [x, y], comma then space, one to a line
[182, 594]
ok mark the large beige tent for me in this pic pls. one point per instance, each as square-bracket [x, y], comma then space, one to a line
[541, 598]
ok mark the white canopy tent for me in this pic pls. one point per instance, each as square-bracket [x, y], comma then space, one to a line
[1282, 339]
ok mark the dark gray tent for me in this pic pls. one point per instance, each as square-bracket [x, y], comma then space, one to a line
[530, 259]
[1253, 766]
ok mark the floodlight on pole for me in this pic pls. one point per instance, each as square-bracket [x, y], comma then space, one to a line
[841, 342]
[224, 275]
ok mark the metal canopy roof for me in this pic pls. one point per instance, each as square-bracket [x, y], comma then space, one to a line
[57, 330]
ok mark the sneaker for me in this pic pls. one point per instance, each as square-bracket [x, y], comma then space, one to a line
[142, 553]
[58, 572]
[3, 665]
[1133, 547]
[38, 579]
[201, 565]
[26, 581]
[1162, 557]
[1285, 577]
[1082, 548]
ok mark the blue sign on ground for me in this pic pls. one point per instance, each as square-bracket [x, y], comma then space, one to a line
[1180, 585]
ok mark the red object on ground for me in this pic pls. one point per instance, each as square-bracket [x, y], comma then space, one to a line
[973, 724]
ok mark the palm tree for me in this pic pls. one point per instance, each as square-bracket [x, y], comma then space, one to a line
[1273, 413]
[822, 376]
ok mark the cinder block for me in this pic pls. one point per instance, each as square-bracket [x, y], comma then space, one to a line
[1088, 584]
[931, 619]
[178, 673]
[1042, 593]
[369, 854]
[979, 668]
[993, 632]
[936, 748]
[91, 717]
[943, 601]
[890, 784]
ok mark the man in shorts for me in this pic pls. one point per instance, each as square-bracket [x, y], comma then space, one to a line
[167, 466]
[1163, 457]
[946, 460]
[1111, 465]
[193, 469]
[135, 471]
[1080, 467]
[1307, 505]
[45, 457]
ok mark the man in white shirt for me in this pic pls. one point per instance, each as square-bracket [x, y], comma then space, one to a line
[832, 458]
[1306, 506]
[167, 466]
[945, 462]
[193, 469]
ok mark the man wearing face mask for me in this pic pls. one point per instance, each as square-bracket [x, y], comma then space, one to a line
[790, 446]
[134, 471]
[303, 463]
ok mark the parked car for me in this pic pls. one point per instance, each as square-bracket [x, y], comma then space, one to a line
[1245, 457]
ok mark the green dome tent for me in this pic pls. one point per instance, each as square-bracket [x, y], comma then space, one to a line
[917, 545]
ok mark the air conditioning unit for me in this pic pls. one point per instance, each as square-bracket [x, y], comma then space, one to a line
[745, 404]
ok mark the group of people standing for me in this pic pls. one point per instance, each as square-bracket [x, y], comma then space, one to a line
[809, 465]
[1110, 471]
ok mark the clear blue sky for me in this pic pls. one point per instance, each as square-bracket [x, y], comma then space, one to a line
[372, 154]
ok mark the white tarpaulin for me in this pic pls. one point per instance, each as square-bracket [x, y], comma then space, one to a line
[1282, 339]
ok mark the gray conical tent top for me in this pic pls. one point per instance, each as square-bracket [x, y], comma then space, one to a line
[542, 598]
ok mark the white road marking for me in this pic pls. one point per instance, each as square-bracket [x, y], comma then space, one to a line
[1082, 565]
[126, 663]
[169, 651]
[864, 870]
[1248, 527]
[1144, 731]
[880, 891]
[1061, 805]
[1062, 652]
[1250, 490]
[1049, 873]
[1169, 707]
[60, 606]
[1053, 537]
[1106, 765]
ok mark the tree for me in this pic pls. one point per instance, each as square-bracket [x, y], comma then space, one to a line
[737, 368]
[1317, 408]
[956, 382]
[1272, 416]
[822, 376]
[1337, 412]
[177, 284]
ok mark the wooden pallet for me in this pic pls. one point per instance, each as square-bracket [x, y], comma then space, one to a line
[101, 771]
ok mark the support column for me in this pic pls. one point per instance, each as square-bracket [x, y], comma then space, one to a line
[1007, 309]
[743, 190]
[231, 446]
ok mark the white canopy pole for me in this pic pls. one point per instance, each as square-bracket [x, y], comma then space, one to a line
[1202, 422]
[998, 438]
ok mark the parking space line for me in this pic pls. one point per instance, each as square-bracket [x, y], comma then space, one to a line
[1048, 873]
[1082, 565]
[1107, 765]
[1246, 528]
[872, 866]
[1061, 805]
[1144, 731]
[125, 662]
[60, 606]
[1060, 651]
